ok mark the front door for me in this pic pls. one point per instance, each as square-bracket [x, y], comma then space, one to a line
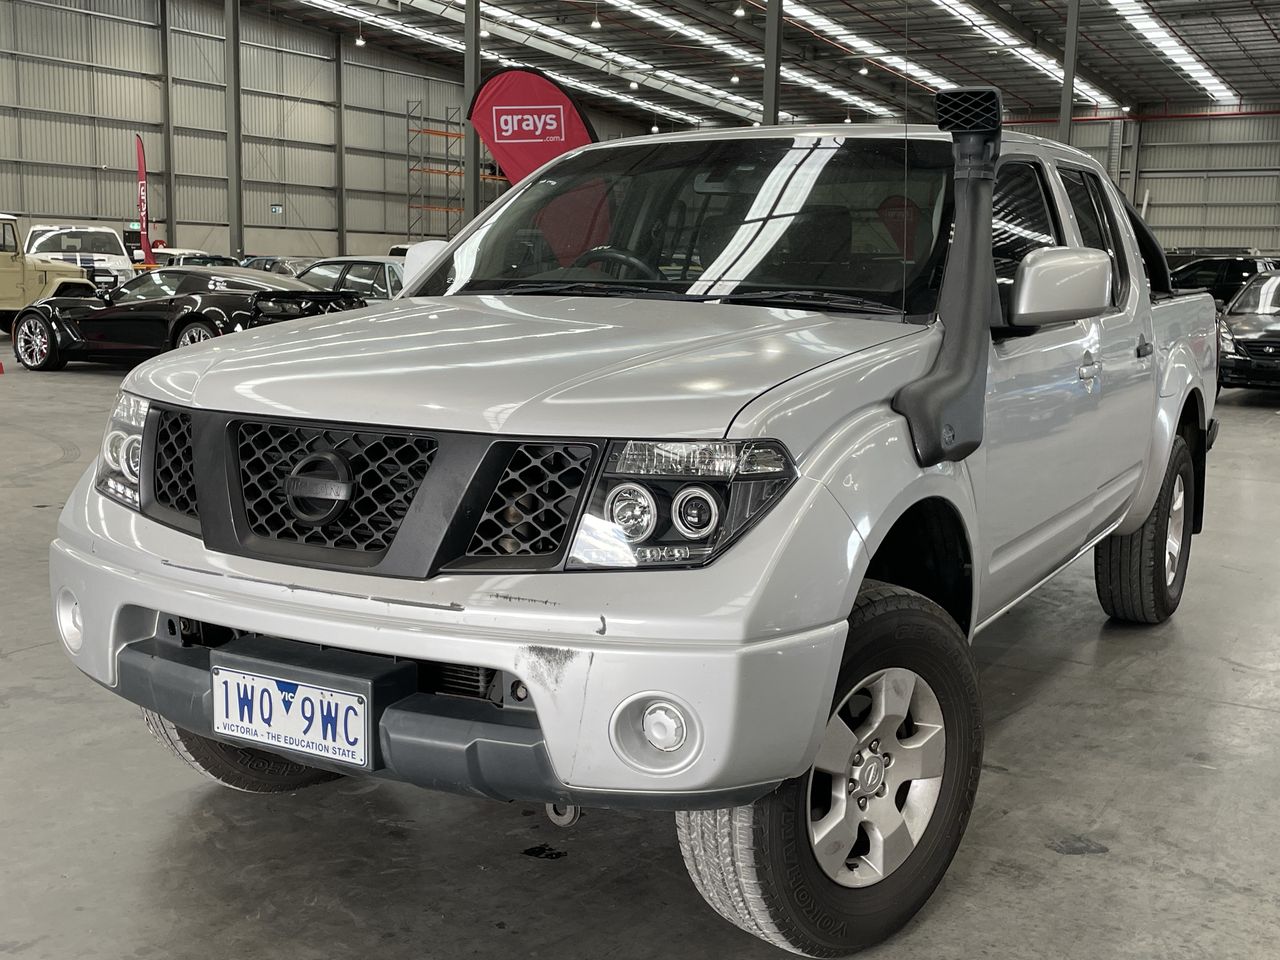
[136, 320]
[1038, 479]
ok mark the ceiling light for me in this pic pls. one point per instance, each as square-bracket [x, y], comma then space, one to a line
[403, 28]
[1137, 16]
[360, 38]
[749, 57]
[1003, 39]
[734, 79]
[654, 128]
[633, 85]
[484, 33]
[842, 36]
[595, 20]
[1125, 109]
[755, 123]
[863, 71]
[739, 11]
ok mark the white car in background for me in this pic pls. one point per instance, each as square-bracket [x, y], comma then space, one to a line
[370, 278]
[97, 249]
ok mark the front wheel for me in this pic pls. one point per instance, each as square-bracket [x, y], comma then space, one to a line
[840, 858]
[240, 768]
[34, 344]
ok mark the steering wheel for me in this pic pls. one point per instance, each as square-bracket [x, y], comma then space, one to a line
[620, 256]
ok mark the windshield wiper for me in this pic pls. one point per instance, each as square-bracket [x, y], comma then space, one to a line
[821, 299]
[582, 288]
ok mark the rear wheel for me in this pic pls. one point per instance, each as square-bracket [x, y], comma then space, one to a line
[840, 858]
[1140, 576]
[241, 768]
[34, 344]
[197, 331]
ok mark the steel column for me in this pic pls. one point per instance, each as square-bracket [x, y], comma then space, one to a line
[235, 160]
[1069, 71]
[471, 140]
[1135, 161]
[170, 163]
[772, 60]
[340, 141]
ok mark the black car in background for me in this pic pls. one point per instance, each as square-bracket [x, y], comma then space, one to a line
[161, 309]
[1222, 276]
[1249, 335]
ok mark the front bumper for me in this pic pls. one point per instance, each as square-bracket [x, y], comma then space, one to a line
[1245, 372]
[750, 645]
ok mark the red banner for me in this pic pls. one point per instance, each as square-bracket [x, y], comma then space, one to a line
[145, 240]
[527, 119]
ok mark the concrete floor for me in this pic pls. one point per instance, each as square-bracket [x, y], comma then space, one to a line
[1129, 807]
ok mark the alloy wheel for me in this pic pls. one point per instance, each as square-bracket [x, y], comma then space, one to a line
[193, 335]
[1173, 533]
[877, 777]
[32, 343]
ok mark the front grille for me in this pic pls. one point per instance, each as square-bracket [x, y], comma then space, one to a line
[387, 470]
[175, 479]
[1258, 350]
[533, 504]
[462, 680]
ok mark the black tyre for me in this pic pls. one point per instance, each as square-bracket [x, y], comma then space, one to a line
[35, 345]
[197, 331]
[241, 768]
[842, 857]
[1140, 576]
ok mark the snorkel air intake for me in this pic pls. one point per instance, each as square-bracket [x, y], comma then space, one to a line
[945, 407]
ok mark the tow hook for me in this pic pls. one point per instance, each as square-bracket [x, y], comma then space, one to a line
[564, 814]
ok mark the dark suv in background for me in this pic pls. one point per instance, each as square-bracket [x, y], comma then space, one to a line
[1222, 276]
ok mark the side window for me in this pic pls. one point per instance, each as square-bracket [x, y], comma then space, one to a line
[1021, 221]
[146, 287]
[1098, 228]
[8, 239]
[366, 280]
[394, 283]
[323, 276]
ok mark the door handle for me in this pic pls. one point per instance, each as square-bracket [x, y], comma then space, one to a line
[1145, 348]
[1090, 369]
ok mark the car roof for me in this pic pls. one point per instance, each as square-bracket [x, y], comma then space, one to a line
[368, 259]
[7, 216]
[241, 273]
[74, 226]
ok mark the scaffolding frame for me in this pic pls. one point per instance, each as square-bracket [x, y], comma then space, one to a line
[434, 149]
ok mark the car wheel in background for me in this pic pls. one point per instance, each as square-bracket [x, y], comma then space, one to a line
[35, 345]
[842, 856]
[197, 331]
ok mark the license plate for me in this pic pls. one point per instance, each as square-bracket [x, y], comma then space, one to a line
[280, 714]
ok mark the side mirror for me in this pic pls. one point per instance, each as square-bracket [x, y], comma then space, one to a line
[139, 256]
[1220, 305]
[1059, 285]
[105, 296]
[419, 256]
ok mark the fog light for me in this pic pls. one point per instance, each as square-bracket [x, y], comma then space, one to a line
[664, 726]
[70, 620]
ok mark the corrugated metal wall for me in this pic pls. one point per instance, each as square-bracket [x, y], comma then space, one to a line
[1209, 180]
[78, 79]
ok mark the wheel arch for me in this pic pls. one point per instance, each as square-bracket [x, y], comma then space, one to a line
[1193, 427]
[186, 319]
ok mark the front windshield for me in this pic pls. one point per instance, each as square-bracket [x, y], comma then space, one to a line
[1261, 296]
[867, 219]
[71, 240]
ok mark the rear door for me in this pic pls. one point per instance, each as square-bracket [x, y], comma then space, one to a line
[1125, 382]
[366, 279]
[12, 278]
[1037, 492]
[323, 276]
[137, 318]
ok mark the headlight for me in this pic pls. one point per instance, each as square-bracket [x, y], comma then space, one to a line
[1227, 343]
[677, 503]
[279, 308]
[120, 462]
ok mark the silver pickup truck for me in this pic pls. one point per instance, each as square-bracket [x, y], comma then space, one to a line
[682, 479]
